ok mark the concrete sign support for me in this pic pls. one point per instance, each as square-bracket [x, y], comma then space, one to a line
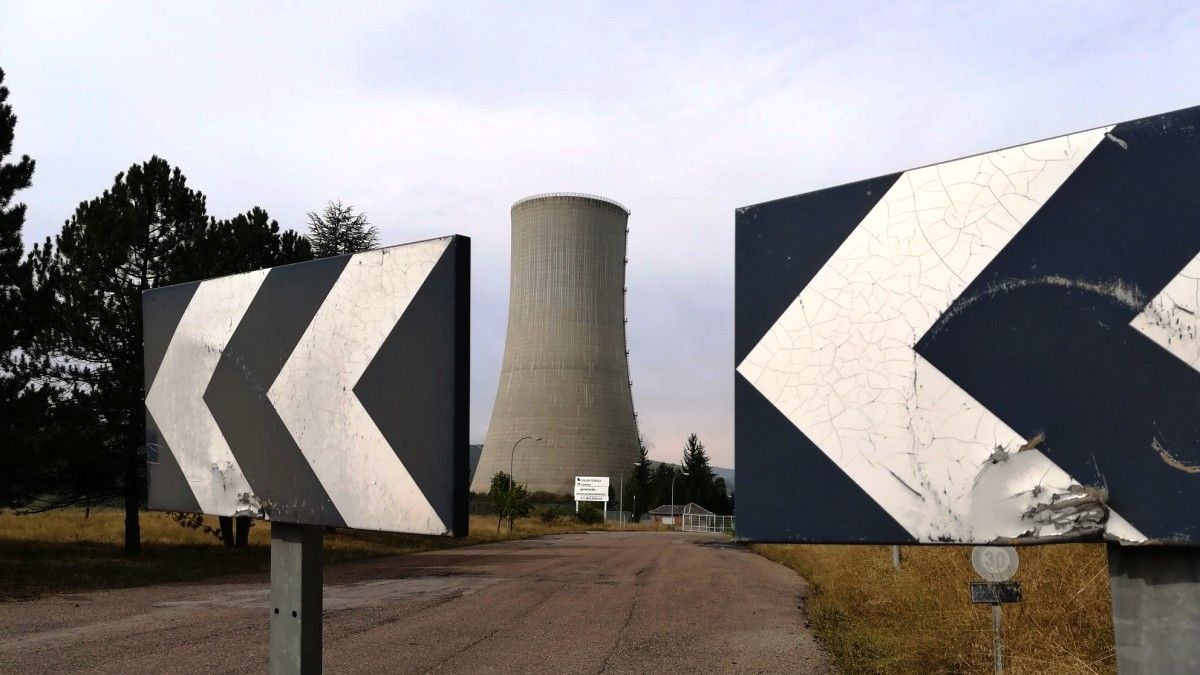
[327, 393]
[1156, 608]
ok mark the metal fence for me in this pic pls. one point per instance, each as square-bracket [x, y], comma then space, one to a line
[699, 522]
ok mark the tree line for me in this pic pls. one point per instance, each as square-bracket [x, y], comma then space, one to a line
[695, 481]
[72, 423]
[647, 487]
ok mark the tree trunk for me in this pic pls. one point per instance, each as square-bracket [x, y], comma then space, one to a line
[243, 532]
[226, 523]
[133, 528]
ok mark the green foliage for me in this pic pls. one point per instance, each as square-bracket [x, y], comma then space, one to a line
[543, 497]
[701, 485]
[639, 496]
[13, 178]
[149, 229]
[548, 514]
[660, 485]
[22, 408]
[589, 514]
[250, 241]
[511, 501]
[337, 229]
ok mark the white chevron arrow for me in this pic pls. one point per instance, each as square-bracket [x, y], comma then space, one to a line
[314, 393]
[1172, 318]
[840, 364]
[176, 397]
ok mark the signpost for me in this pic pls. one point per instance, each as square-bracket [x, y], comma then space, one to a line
[591, 489]
[327, 393]
[997, 564]
[998, 348]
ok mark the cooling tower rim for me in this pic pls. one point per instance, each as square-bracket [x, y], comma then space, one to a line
[575, 195]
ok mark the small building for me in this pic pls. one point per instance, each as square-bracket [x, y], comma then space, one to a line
[668, 514]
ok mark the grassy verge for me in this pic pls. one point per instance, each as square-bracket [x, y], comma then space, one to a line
[62, 551]
[875, 619]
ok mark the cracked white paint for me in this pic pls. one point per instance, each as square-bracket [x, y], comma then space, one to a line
[1172, 318]
[840, 364]
[176, 397]
[314, 393]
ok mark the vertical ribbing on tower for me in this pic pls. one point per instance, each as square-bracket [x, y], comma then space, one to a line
[565, 374]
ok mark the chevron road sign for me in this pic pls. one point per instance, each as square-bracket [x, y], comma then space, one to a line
[331, 392]
[1000, 348]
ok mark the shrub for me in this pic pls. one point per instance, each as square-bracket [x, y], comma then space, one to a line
[589, 515]
[548, 514]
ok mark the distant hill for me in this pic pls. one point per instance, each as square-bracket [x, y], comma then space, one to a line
[727, 474]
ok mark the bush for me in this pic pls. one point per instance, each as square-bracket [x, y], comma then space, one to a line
[548, 515]
[589, 515]
[543, 497]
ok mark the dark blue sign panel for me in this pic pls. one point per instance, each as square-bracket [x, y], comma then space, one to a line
[999, 348]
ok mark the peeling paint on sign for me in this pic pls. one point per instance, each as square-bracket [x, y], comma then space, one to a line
[331, 392]
[847, 360]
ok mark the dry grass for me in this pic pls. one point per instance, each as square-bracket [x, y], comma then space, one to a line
[875, 619]
[63, 551]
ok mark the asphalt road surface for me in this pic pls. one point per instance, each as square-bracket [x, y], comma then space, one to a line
[590, 603]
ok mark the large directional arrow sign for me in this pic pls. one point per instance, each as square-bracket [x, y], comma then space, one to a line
[997, 348]
[332, 392]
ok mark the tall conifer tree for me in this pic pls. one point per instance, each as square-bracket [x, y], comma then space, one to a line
[149, 229]
[20, 407]
[337, 229]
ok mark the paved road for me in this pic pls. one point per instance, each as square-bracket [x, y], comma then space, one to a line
[590, 603]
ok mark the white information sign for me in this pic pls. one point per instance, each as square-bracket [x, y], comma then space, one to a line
[591, 488]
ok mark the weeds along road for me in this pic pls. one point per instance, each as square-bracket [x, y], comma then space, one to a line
[582, 603]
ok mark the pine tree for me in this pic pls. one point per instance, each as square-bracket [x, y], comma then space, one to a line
[251, 241]
[21, 408]
[149, 229]
[703, 486]
[660, 485]
[640, 484]
[695, 464]
[13, 177]
[338, 229]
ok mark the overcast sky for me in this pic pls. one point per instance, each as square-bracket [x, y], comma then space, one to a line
[434, 117]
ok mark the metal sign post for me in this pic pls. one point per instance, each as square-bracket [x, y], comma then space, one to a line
[997, 643]
[997, 564]
[296, 603]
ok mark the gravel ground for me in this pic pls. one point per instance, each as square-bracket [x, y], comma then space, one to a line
[615, 602]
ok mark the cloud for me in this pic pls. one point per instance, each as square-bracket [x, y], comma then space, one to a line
[434, 118]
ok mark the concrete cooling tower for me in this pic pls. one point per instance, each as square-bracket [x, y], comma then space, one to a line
[565, 376]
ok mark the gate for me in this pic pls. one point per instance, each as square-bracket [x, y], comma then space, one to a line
[703, 522]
